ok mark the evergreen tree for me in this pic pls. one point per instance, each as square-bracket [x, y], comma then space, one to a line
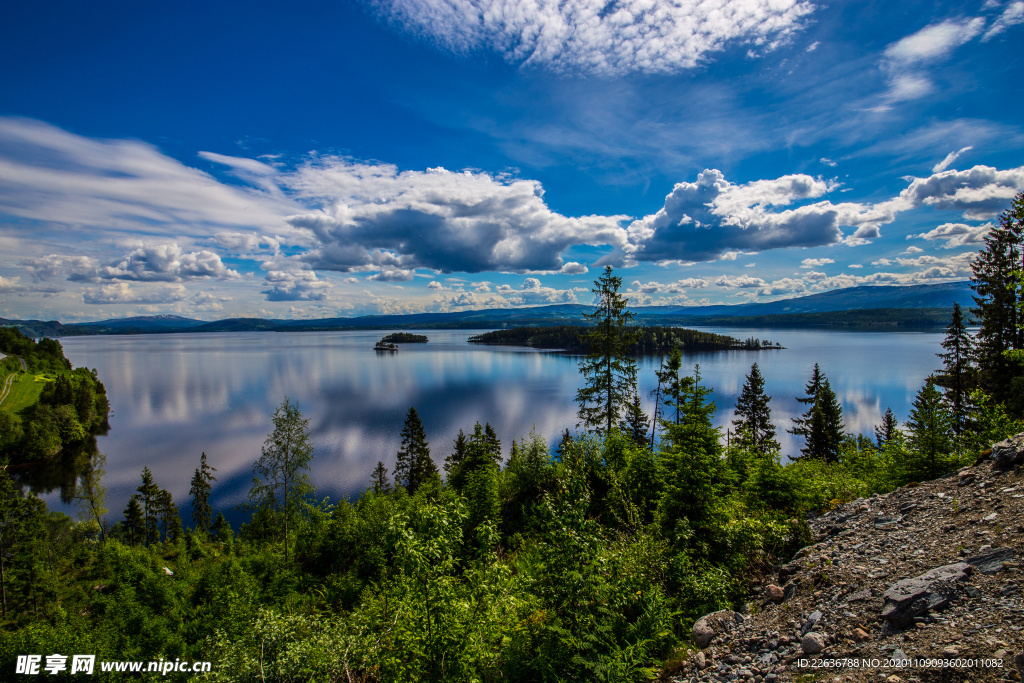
[887, 429]
[482, 449]
[957, 376]
[754, 428]
[634, 424]
[148, 491]
[998, 301]
[167, 514]
[281, 476]
[222, 529]
[202, 484]
[609, 373]
[825, 430]
[457, 457]
[379, 479]
[802, 424]
[413, 464]
[929, 433]
[135, 521]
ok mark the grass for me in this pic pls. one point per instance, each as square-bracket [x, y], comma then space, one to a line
[25, 389]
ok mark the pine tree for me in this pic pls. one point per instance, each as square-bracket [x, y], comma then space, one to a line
[482, 449]
[281, 476]
[413, 465]
[754, 428]
[608, 372]
[456, 457]
[148, 491]
[222, 529]
[202, 484]
[929, 433]
[887, 429]
[957, 376]
[998, 302]
[379, 479]
[167, 514]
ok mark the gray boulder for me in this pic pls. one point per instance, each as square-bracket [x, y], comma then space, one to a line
[715, 624]
[812, 643]
[1008, 453]
[991, 561]
[931, 591]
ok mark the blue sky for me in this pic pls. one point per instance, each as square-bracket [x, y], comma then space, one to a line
[314, 159]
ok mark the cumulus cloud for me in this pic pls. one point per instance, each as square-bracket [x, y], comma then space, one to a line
[784, 286]
[1011, 16]
[677, 287]
[598, 37]
[980, 192]
[913, 250]
[532, 293]
[288, 281]
[815, 262]
[375, 216]
[167, 263]
[956, 234]
[124, 293]
[948, 161]
[573, 268]
[739, 282]
[709, 218]
[75, 268]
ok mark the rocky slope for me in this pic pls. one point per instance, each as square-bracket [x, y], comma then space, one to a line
[921, 584]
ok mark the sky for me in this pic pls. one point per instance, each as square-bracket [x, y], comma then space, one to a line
[330, 158]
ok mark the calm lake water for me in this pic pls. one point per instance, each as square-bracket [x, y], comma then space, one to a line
[176, 396]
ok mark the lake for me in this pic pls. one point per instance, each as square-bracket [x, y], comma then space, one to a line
[175, 396]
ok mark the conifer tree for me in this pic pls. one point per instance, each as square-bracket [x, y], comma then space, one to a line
[609, 373]
[634, 424]
[148, 491]
[754, 428]
[413, 465]
[135, 521]
[957, 376]
[482, 449]
[222, 529]
[929, 432]
[280, 480]
[802, 424]
[379, 479]
[998, 301]
[825, 432]
[457, 456]
[887, 429]
[202, 484]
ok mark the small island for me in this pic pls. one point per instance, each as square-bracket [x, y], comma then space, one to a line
[405, 338]
[650, 340]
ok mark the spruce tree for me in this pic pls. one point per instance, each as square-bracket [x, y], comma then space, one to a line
[957, 376]
[998, 301]
[609, 373]
[457, 456]
[754, 428]
[634, 424]
[929, 433]
[379, 479]
[413, 465]
[200, 491]
[134, 521]
[280, 480]
[802, 424]
[887, 429]
[825, 432]
[148, 491]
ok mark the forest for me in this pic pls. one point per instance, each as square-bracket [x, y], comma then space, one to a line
[588, 561]
[647, 339]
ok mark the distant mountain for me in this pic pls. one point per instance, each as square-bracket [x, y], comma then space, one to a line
[917, 305]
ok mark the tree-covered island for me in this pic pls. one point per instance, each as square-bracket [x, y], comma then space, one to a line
[648, 340]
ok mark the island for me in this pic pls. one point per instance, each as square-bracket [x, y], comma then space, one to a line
[650, 340]
[405, 338]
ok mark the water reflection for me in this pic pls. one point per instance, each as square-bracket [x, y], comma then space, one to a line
[176, 396]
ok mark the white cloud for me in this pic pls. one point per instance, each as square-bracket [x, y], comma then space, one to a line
[1011, 16]
[600, 37]
[532, 293]
[855, 265]
[913, 250]
[573, 268]
[828, 162]
[677, 287]
[166, 263]
[815, 262]
[950, 158]
[374, 215]
[956, 234]
[905, 61]
[291, 281]
[784, 286]
[124, 293]
[740, 282]
[980, 192]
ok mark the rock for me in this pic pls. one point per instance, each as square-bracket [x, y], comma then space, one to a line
[699, 660]
[812, 643]
[812, 620]
[715, 624]
[788, 570]
[930, 591]
[773, 593]
[788, 592]
[965, 479]
[951, 650]
[1008, 453]
[859, 635]
[991, 561]
[860, 595]
[1019, 661]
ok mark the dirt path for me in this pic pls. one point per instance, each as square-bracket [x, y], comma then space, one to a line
[10, 379]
